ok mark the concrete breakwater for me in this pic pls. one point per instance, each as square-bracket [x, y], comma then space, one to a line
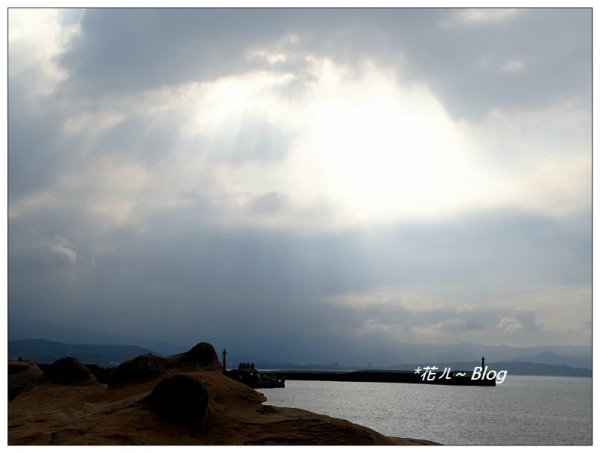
[409, 377]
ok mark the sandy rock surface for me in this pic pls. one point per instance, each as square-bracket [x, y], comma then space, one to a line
[51, 413]
[22, 375]
[183, 399]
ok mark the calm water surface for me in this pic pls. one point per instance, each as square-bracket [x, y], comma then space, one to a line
[524, 410]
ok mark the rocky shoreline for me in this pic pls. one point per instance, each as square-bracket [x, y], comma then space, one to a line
[150, 400]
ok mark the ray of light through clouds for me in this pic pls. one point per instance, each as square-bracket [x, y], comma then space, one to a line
[336, 179]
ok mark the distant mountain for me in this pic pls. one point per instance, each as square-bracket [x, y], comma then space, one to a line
[516, 368]
[551, 358]
[513, 367]
[359, 355]
[385, 355]
[44, 351]
[471, 351]
[541, 369]
[22, 328]
[573, 356]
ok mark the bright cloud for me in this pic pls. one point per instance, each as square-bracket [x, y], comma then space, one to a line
[478, 16]
[355, 141]
[36, 37]
[513, 65]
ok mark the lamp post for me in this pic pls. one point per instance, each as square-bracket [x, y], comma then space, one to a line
[224, 361]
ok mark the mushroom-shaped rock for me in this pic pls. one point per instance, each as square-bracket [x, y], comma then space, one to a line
[68, 371]
[180, 398]
[140, 368]
[22, 374]
[203, 355]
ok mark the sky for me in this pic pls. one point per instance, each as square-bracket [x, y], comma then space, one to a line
[312, 185]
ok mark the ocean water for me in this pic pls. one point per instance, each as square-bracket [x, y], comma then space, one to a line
[524, 410]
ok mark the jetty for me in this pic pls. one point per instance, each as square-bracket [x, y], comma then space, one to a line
[246, 373]
[408, 377]
[249, 375]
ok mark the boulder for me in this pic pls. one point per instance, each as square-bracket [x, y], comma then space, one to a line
[180, 398]
[149, 366]
[202, 356]
[22, 375]
[142, 367]
[102, 374]
[68, 371]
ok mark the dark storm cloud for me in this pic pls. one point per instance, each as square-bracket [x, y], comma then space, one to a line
[149, 48]
[269, 203]
[35, 158]
[30, 253]
[495, 245]
[462, 61]
[260, 283]
[141, 137]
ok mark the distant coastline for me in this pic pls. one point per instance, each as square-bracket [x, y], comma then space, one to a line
[107, 356]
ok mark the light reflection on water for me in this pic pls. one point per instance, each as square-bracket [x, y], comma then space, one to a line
[524, 410]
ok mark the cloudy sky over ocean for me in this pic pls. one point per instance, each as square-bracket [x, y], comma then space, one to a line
[328, 180]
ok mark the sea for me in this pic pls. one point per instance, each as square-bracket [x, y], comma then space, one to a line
[523, 410]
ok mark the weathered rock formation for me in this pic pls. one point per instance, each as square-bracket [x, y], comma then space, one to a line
[68, 371]
[140, 368]
[149, 366]
[159, 404]
[200, 357]
[22, 375]
[180, 398]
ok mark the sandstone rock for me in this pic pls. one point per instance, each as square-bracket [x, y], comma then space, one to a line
[143, 367]
[22, 375]
[68, 371]
[236, 415]
[201, 356]
[180, 398]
